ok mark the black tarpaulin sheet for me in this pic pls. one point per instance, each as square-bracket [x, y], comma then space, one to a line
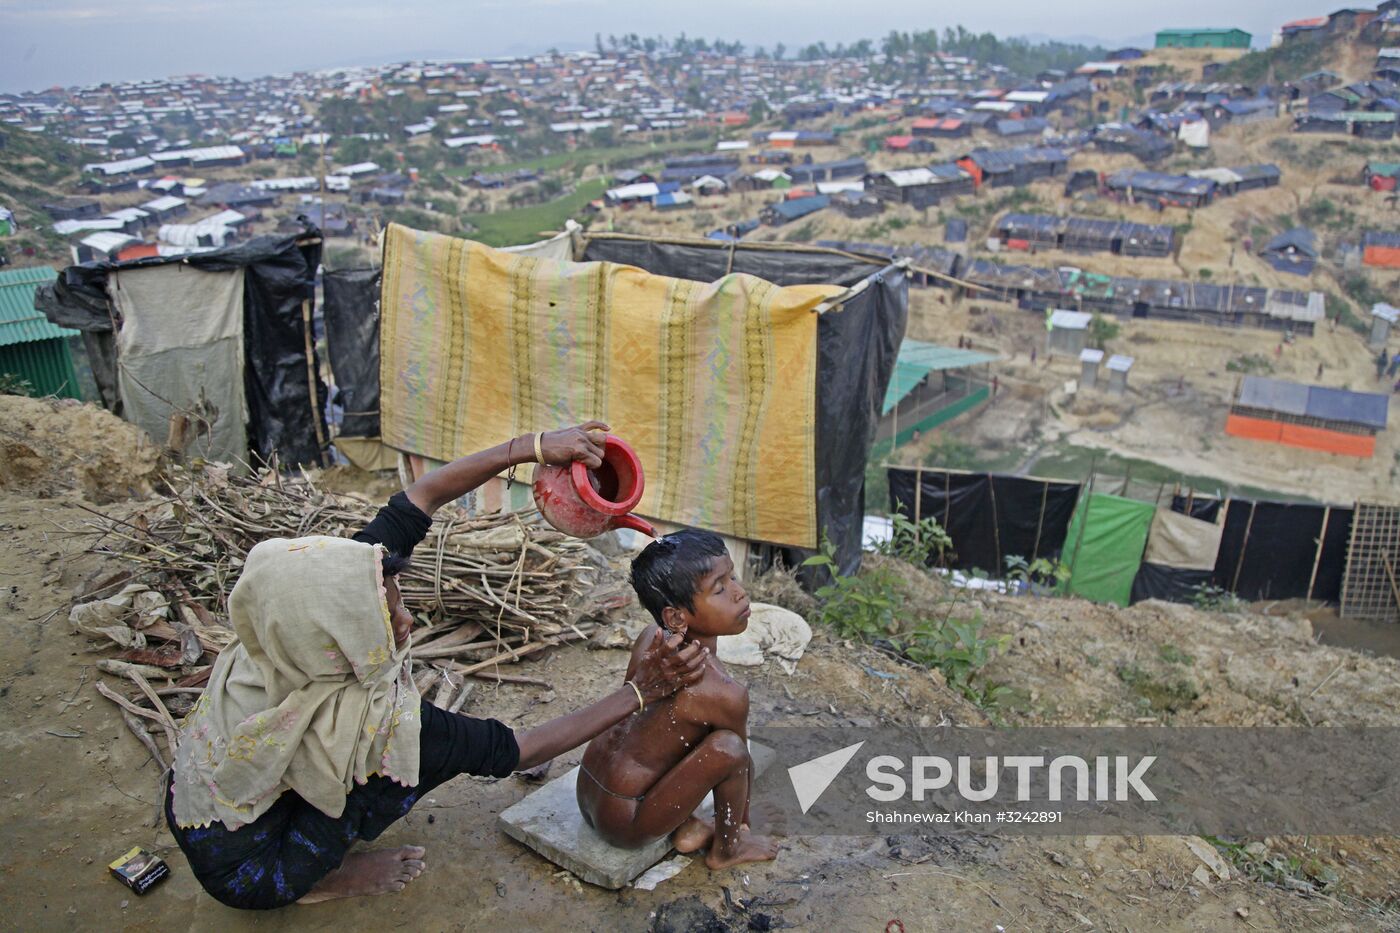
[1173, 584]
[988, 517]
[1271, 555]
[280, 275]
[707, 263]
[286, 414]
[856, 349]
[352, 342]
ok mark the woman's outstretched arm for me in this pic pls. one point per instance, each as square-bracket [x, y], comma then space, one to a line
[435, 489]
[662, 669]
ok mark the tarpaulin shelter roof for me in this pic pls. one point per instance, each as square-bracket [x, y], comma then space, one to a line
[1241, 108]
[948, 171]
[1380, 238]
[1071, 320]
[1385, 312]
[800, 207]
[917, 359]
[1021, 127]
[1257, 171]
[1008, 160]
[1293, 398]
[1220, 175]
[19, 321]
[922, 257]
[1157, 181]
[1366, 408]
[1299, 239]
[1087, 227]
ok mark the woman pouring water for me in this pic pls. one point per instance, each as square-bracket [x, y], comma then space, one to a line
[311, 735]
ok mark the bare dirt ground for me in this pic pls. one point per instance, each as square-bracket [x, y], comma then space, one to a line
[76, 789]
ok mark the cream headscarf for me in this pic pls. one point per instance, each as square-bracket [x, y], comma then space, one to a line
[314, 697]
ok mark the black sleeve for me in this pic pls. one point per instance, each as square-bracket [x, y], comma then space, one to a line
[399, 526]
[455, 744]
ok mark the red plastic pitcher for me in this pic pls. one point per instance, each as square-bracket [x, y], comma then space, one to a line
[585, 503]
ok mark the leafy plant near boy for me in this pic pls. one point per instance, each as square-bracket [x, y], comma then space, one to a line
[871, 608]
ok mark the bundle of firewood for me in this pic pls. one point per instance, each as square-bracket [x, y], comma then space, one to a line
[486, 591]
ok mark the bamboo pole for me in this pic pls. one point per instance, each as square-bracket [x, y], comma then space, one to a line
[1317, 557]
[1244, 547]
[1084, 518]
[311, 376]
[1040, 519]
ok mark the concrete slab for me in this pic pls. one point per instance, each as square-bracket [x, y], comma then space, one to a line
[548, 821]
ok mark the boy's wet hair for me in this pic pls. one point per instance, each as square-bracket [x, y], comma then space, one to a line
[394, 564]
[669, 570]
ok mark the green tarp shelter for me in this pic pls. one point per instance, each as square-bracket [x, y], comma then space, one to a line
[1104, 546]
[917, 359]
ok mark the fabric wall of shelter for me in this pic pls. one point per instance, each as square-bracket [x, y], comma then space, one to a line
[858, 344]
[1104, 546]
[1272, 557]
[1173, 584]
[1178, 540]
[286, 408]
[713, 384]
[988, 517]
[352, 342]
[180, 349]
[1179, 559]
[279, 275]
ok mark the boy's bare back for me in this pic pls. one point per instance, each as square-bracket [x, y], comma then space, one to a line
[630, 756]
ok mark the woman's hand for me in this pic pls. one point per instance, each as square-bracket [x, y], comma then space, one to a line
[584, 442]
[665, 667]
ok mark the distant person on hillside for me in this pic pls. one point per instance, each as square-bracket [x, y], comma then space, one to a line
[1382, 359]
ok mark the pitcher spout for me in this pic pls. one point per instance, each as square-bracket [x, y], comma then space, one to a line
[635, 523]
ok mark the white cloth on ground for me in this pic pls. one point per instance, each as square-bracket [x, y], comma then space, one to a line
[772, 630]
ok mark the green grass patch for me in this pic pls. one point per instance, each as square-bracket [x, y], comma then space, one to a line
[578, 158]
[526, 224]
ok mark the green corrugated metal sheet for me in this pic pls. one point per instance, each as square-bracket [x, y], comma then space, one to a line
[917, 359]
[1203, 38]
[19, 322]
[44, 364]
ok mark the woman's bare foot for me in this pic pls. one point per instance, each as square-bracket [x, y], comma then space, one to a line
[364, 873]
[752, 848]
[693, 835]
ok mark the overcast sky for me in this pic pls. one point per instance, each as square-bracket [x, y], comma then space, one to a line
[67, 42]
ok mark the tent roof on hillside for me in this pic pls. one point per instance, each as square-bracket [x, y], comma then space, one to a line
[1070, 320]
[1299, 240]
[917, 359]
[1293, 398]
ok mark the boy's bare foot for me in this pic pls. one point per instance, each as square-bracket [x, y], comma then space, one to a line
[752, 848]
[364, 873]
[693, 835]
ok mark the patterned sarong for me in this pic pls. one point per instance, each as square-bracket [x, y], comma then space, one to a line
[713, 384]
